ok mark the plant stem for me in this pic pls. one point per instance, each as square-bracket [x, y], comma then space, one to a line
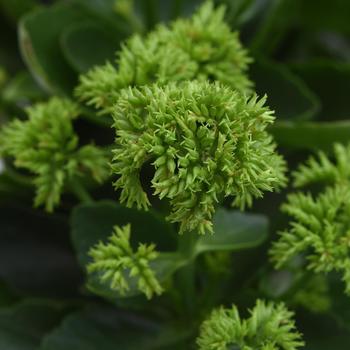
[151, 13]
[186, 243]
[176, 8]
[21, 179]
[80, 192]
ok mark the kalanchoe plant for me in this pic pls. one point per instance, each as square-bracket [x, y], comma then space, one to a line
[116, 258]
[269, 327]
[202, 47]
[321, 226]
[157, 137]
[206, 142]
[46, 145]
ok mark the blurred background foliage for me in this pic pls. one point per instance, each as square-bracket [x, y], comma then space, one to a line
[301, 51]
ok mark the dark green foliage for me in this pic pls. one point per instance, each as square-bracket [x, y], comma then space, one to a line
[158, 135]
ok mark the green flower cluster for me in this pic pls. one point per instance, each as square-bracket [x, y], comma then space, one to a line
[115, 259]
[47, 146]
[321, 226]
[205, 141]
[269, 327]
[200, 48]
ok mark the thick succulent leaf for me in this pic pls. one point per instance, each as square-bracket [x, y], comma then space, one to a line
[330, 80]
[22, 89]
[17, 8]
[319, 15]
[87, 44]
[321, 332]
[287, 94]
[277, 17]
[105, 10]
[239, 12]
[35, 253]
[94, 222]
[7, 296]
[22, 325]
[42, 51]
[39, 35]
[105, 329]
[234, 230]
[310, 135]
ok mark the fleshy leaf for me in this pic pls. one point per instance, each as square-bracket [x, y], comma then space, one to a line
[234, 230]
[94, 222]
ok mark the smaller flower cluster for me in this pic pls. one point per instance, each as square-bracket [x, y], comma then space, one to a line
[205, 141]
[269, 327]
[202, 48]
[115, 259]
[321, 226]
[47, 146]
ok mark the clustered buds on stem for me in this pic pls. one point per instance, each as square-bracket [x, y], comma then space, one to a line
[269, 327]
[205, 141]
[114, 260]
[200, 48]
[47, 146]
[321, 226]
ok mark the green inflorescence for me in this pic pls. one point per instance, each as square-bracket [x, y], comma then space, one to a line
[321, 226]
[200, 48]
[116, 259]
[269, 327]
[46, 145]
[205, 141]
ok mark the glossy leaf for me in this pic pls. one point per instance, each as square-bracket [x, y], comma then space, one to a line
[35, 252]
[94, 222]
[105, 329]
[234, 231]
[21, 90]
[331, 82]
[87, 44]
[287, 95]
[24, 324]
[39, 35]
[311, 135]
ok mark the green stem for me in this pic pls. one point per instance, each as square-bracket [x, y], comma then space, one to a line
[21, 179]
[176, 8]
[187, 281]
[80, 192]
[299, 283]
[99, 120]
[151, 14]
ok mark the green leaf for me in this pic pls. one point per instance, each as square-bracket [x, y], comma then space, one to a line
[318, 14]
[94, 222]
[29, 238]
[322, 333]
[39, 37]
[287, 94]
[104, 10]
[105, 329]
[310, 135]
[274, 24]
[14, 186]
[331, 82]
[239, 12]
[16, 8]
[87, 44]
[24, 324]
[22, 89]
[234, 230]
[6, 295]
